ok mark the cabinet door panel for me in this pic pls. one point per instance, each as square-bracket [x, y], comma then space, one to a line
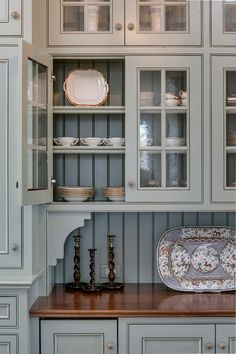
[223, 22]
[10, 232]
[10, 17]
[223, 129]
[36, 125]
[226, 339]
[79, 336]
[163, 22]
[170, 339]
[163, 129]
[83, 23]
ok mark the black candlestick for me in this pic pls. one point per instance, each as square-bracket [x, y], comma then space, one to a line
[76, 284]
[92, 287]
[111, 265]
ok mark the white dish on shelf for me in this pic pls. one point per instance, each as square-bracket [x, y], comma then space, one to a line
[75, 199]
[175, 141]
[116, 198]
[66, 141]
[92, 141]
[86, 87]
[116, 141]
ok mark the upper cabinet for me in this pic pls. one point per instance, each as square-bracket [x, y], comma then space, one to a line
[36, 88]
[130, 22]
[10, 17]
[223, 22]
[223, 129]
[163, 126]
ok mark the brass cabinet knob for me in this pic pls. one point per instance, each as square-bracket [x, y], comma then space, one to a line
[131, 184]
[222, 346]
[209, 346]
[130, 26]
[15, 15]
[14, 247]
[118, 26]
[110, 345]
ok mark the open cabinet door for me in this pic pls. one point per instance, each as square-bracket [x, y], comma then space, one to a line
[36, 88]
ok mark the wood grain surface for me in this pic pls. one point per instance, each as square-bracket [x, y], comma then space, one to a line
[137, 300]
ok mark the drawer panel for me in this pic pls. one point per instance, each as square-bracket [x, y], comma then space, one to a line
[8, 311]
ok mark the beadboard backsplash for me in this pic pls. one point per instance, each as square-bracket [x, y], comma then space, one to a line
[137, 236]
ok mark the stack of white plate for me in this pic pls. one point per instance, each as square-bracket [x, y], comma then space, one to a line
[114, 194]
[175, 141]
[231, 100]
[232, 138]
[74, 194]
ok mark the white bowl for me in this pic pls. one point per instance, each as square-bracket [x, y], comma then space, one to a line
[172, 102]
[92, 141]
[114, 141]
[66, 141]
[116, 198]
[75, 199]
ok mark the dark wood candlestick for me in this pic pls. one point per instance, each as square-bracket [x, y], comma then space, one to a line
[76, 284]
[92, 287]
[111, 265]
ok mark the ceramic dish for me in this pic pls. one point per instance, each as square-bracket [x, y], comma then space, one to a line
[198, 259]
[86, 87]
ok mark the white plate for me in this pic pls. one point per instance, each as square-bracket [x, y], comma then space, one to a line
[75, 199]
[86, 87]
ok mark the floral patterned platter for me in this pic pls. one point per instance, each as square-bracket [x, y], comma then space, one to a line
[198, 259]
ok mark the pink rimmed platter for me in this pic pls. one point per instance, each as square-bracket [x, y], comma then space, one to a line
[199, 259]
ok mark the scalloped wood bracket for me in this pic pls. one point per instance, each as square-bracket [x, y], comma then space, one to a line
[59, 226]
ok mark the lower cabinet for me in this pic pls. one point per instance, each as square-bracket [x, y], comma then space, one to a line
[8, 344]
[176, 336]
[78, 336]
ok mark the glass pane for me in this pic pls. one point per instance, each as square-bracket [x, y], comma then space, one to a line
[176, 169]
[176, 124]
[231, 88]
[175, 18]
[150, 18]
[230, 16]
[231, 170]
[73, 18]
[37, 169]
[73, 0]
[32, 125]
[32, 81]
[98, 18]
[150, 169]
[231, 129]
[176, 88]
[150, 129]
[150, 88]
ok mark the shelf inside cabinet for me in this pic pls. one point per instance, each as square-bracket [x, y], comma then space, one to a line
[89, 110]
[88, 150]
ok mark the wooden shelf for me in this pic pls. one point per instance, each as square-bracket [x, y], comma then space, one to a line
[139, 300]
[89, 110]
[88, 150]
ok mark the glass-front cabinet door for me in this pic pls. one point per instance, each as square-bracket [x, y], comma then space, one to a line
[86, 22]
[163, 22]
[223, 22]
[163, 127]
[10, 17]
[223, 129]
[37, 125]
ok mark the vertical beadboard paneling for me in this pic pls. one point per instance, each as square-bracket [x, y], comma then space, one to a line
[137, 236]
[100, 233]
[146, 245]
[131, 247]
[232, 219]
[159, 227]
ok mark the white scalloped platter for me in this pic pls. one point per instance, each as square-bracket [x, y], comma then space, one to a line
[86, 87]
[198, 259]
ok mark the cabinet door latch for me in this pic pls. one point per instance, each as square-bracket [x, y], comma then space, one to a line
[53, 181]
[53, 77]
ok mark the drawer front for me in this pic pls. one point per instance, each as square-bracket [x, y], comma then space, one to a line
[8, 344]
[8, 311]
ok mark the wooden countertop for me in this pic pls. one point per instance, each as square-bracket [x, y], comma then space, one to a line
[135, 300]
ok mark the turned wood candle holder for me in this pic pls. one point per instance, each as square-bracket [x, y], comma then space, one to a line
[111, 265]
[92, 287]
[76, 284]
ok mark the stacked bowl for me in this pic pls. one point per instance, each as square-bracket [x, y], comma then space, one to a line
[114, 194]
[75, 194]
